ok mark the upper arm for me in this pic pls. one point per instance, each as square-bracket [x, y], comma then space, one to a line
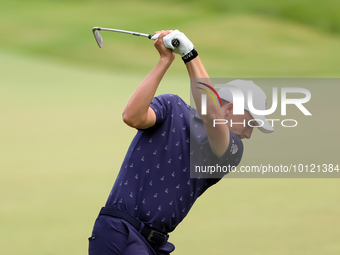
[218, 136]
[148, 121]
[156, 114]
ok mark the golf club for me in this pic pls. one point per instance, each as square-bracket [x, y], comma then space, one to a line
[99, 38]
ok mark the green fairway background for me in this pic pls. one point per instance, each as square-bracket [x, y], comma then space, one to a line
[62, 139]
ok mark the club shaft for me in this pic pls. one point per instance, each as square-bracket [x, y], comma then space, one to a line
[99, 39]
[122, 31]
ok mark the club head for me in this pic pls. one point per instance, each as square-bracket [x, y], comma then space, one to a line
[99, 38]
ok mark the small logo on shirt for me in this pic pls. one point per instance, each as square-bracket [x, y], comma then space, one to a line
[234, 148]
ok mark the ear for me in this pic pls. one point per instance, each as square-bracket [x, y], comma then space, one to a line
[228, 109]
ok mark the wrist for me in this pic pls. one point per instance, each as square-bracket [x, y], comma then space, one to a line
[166, 59]
[190, 56]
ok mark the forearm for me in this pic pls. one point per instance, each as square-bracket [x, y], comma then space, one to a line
[197, 73]
[218, 136]
[137, 107]
[196, 69]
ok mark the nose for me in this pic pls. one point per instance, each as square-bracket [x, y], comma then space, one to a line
[247, 133]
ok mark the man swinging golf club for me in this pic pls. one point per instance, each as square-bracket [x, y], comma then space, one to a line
[154, 191]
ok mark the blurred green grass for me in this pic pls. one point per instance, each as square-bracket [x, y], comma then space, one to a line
[322, 15]
[234, 42]
[62, 139]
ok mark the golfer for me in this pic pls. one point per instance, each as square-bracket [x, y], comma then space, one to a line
[153, 191]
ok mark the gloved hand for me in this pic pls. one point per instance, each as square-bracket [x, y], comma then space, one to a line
[185, 45]
[186, 49]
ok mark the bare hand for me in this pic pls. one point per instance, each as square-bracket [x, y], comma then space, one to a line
[164, 53]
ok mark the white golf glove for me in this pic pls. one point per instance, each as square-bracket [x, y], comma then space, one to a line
[186, 49]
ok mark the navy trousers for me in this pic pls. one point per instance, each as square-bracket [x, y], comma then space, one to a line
[113, 236]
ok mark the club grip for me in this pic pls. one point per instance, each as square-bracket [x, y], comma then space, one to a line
[175, 43]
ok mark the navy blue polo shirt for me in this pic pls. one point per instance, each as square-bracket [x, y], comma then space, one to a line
[154, 183]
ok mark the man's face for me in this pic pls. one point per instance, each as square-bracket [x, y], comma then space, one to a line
[238, 124]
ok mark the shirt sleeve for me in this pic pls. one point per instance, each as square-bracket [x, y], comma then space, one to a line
[234, 152]
[230, 159]
[162, 106]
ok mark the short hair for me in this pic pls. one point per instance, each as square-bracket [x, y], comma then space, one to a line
[224, 102]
